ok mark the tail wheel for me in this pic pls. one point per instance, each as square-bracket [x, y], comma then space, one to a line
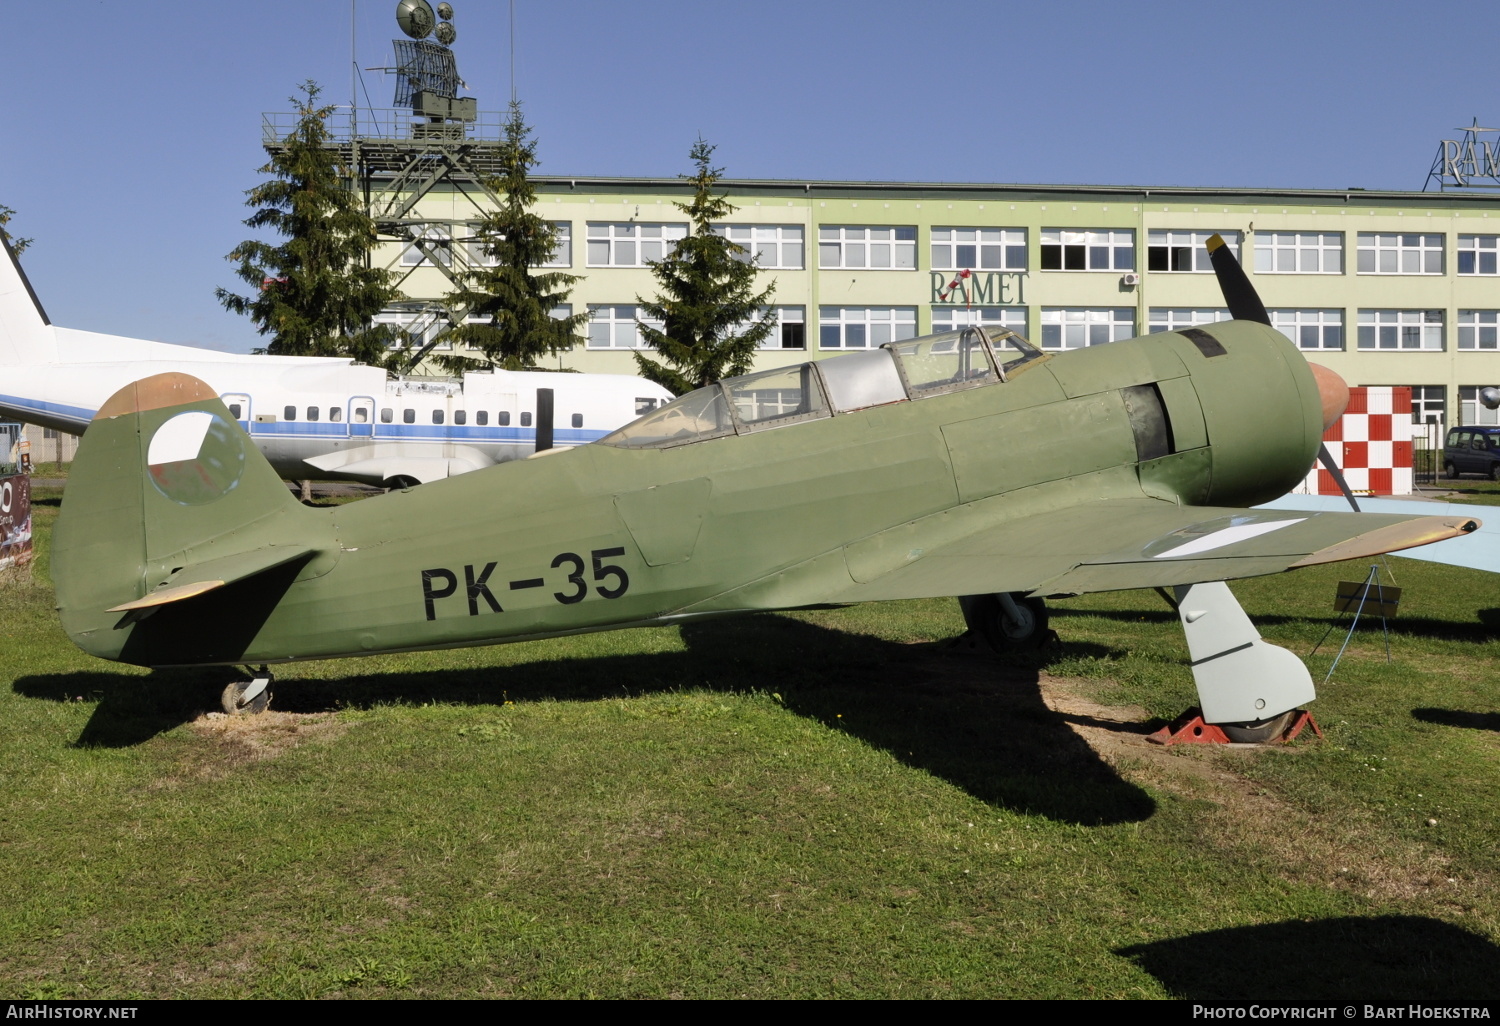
[1258, 731]
[1020, 623]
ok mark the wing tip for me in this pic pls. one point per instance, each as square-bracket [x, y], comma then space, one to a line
[1393, 538]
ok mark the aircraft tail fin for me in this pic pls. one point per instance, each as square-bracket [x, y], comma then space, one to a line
[25, 332]
[176, 538]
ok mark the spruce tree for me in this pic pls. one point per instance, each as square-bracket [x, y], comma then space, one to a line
[712, 319]
[17, 246]
[515, 304]
[315, 293]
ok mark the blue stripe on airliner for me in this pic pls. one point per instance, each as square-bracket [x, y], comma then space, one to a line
[79, 414]
[421, 433]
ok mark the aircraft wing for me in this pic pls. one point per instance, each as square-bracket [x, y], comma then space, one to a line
[1479, 551]
[1118, 544]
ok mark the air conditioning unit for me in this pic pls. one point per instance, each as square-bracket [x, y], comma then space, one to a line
[1131, 279]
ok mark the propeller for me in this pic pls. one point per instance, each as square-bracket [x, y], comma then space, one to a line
[1245, 305]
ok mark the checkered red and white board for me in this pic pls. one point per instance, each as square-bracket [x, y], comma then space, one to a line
[1371, 443]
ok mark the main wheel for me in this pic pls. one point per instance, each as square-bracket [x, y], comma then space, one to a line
[233, 699]
[987, 616]
[1258, 731]
[400, 481]
[1450, 471]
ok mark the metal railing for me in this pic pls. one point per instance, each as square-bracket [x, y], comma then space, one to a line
[367, 124]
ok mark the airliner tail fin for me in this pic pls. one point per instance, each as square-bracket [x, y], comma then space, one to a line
[25, 332]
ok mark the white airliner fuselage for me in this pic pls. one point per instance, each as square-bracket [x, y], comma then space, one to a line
[313, 417]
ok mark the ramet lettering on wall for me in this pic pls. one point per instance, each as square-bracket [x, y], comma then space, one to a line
[979, 288]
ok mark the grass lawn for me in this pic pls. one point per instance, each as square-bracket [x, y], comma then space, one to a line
[820, 804]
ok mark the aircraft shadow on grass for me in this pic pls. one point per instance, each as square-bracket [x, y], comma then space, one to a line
[1459, 718]
[1347, 959]
[1487, 629]
[975, 721]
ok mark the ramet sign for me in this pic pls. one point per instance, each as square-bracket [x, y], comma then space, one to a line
[1467, 163]
[979, 288]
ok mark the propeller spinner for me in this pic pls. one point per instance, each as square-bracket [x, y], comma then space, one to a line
[1245, 305]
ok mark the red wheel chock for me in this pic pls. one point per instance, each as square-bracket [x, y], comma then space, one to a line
[1191, 729]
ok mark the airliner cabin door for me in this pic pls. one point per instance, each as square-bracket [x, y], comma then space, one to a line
[239, 407]
[361, 417]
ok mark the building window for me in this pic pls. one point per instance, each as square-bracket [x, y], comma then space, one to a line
[1311, 329]
[415, 325]
[1401, 329]
[1098, 250]
[616, 327]
[768, 246]
[562, 256]
[1075, 328]
[789, 331]
[1428, 405]
[1172, 318]
[1185, 252]
[439, 243]
[863, 247]
[979, 249]
[1477, 254]
[1478, 329]
[951, 318]
[1471, 410]
[628, 244]
[860, 327]
[1299, 253]
[1391, 253]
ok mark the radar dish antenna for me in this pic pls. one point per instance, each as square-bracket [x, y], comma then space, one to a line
[415, 18]
[446, 33]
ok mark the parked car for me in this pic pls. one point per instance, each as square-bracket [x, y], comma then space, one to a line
[1472, 450]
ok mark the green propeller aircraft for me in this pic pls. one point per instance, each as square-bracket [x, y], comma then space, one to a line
[959, 464]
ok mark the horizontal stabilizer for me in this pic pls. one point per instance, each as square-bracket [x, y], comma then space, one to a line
[190, 581]
[383, 462]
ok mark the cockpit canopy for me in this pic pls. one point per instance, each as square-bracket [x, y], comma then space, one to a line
[896, 372]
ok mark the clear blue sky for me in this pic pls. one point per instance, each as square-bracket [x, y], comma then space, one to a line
[133, 129]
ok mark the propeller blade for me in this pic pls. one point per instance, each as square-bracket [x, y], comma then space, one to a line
[1239, 294]
[1326, 458]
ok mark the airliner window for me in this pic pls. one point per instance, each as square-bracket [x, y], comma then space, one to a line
[437, 416]
[777, 397]
[460, 416]
[481, 417]
[387, 415]
[361, 414]
[944, 363]
[644, 405]
[290, 413]
[526, 419]
[408, 416]
[234, 410]
[504, 418]
[312, 413]
[335, 413]
[578, 420]
[692, 418]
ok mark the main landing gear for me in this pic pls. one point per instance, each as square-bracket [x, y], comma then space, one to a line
[1008, 621]
[248, 697]
[1249, 690]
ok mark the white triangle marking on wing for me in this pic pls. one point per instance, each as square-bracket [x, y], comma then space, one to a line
[1228, 536]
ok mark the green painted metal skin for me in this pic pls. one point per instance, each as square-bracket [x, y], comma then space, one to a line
[1028, 485]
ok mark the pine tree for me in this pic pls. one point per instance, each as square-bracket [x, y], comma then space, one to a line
[17, 246]
[316, 294]
[712, 319]
[517, 326]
